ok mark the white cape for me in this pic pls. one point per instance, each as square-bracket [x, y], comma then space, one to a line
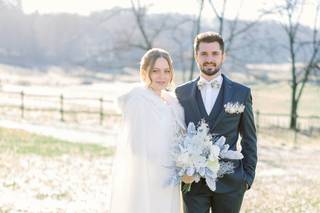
[143, 153]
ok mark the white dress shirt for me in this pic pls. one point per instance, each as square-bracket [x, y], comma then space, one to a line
[209, 94]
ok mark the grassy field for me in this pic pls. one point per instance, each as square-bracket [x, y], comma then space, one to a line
[287, 176]
[268, 96]
[276, 98]
[41, 174]
[24, 143]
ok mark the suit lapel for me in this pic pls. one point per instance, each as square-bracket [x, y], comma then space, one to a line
[189, 103]
[201, 107]
[192, 100]
[227, 96]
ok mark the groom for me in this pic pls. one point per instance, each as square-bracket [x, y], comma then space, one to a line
[213, 97]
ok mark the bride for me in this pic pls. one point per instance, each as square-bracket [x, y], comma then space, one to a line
[151, 118]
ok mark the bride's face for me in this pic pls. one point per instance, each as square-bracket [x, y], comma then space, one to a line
[160, 75]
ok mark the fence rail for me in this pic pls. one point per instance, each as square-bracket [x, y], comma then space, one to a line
[309, 124]
[105, 108]
[57, 103]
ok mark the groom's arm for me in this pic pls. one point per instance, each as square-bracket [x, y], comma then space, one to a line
[178, 92]
[248, 141]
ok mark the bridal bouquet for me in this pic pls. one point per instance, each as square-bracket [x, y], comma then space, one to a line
[197, 153]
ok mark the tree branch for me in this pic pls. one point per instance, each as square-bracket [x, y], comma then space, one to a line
[139, 14]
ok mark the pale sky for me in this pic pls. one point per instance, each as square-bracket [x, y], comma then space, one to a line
[249, 9]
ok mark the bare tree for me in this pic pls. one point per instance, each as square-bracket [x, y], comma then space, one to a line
[219, 15]
[291, 11]
[234, 29]
[178, 31]
[148, 37]
[140, 14]
[197, 27]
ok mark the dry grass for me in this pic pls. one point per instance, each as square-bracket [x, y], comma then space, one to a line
[42, 174]
[287, 176]
[75, 179]
[276, 98]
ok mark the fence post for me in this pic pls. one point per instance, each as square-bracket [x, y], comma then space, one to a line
[101, 111]
[61, 108]
[257, 120]
[22, 104]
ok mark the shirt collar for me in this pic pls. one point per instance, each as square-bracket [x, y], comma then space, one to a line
[218, 78]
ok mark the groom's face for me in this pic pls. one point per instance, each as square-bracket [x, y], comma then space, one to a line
[209, 58]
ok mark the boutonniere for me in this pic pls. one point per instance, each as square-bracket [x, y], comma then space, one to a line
[234, 108]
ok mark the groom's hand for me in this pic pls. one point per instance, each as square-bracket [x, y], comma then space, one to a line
[187, 179]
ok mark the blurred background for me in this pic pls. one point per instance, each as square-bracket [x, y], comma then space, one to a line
[64, 63]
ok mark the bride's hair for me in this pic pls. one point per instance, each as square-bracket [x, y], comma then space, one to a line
[147, 64]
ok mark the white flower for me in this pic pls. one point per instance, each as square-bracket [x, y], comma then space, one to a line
[234, 108]
[214, 165]
[183, 160]
[195, 154]
[214, 152]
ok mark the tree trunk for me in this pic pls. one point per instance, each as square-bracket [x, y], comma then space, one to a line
[294, 84]
[198, 27]
[294, 107]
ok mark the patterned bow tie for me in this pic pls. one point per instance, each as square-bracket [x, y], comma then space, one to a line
[214, 84]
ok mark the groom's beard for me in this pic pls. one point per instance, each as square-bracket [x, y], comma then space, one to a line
[210, 71]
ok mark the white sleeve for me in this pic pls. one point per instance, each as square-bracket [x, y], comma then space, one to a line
[130, 165]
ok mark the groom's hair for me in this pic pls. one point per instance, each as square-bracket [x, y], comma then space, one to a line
[207, 37]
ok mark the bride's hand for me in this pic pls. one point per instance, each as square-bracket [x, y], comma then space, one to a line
[187, 179]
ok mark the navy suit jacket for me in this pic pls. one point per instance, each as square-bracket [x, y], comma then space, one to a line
[228, 125]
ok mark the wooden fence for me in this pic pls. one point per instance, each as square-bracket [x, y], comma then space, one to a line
[308, 124]
[60, 104]
[103, 109]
